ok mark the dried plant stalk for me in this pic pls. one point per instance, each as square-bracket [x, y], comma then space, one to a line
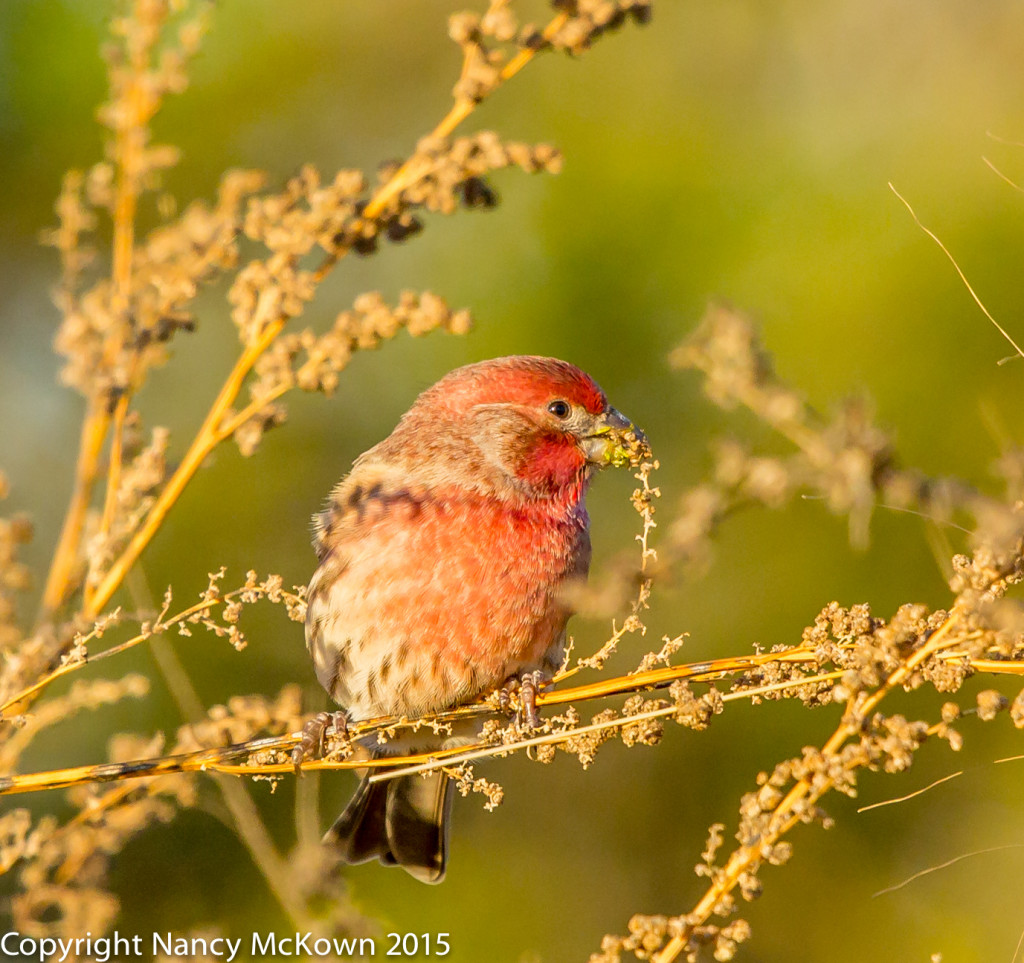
[122, 308]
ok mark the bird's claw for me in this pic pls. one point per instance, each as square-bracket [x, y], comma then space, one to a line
[528, 689]
[527, 685]
[311, 743]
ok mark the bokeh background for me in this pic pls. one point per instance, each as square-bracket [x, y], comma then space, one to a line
[734, 149]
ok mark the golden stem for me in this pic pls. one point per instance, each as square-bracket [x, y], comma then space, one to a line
[127, 144]
[207, 438]
[58, 580]
[414, 168]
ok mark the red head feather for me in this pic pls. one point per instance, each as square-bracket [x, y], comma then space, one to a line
[527, 380]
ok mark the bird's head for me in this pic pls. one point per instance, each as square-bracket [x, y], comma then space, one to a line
[539, 426]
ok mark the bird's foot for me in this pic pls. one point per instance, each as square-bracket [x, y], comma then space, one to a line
[526, 686]
[311, 744]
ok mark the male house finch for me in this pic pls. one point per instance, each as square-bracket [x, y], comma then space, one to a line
[442, 556]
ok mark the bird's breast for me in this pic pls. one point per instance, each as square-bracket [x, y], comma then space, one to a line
[426, 600]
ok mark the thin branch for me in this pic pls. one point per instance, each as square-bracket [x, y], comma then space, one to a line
[945, 865]
[159, 626]
[910, 795]
[222, 759]
[113, 473]
[995, 170]
[963, 277]
[66, 554]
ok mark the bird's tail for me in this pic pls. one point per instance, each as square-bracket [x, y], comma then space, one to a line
[402, 822]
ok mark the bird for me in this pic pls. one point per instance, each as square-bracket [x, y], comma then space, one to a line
[444, 555]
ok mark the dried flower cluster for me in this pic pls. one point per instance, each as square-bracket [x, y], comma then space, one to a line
[485, 40]
[313, 362]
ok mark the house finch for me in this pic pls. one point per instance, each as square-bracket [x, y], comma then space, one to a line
[442, 556]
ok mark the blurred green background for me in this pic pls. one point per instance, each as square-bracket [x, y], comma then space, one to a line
[733, 149]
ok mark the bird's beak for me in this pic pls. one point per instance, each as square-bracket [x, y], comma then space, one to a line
[614, 440]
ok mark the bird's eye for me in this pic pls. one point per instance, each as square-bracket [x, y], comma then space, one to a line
[560, 409]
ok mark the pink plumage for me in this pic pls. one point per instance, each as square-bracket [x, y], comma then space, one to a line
[443, 555]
